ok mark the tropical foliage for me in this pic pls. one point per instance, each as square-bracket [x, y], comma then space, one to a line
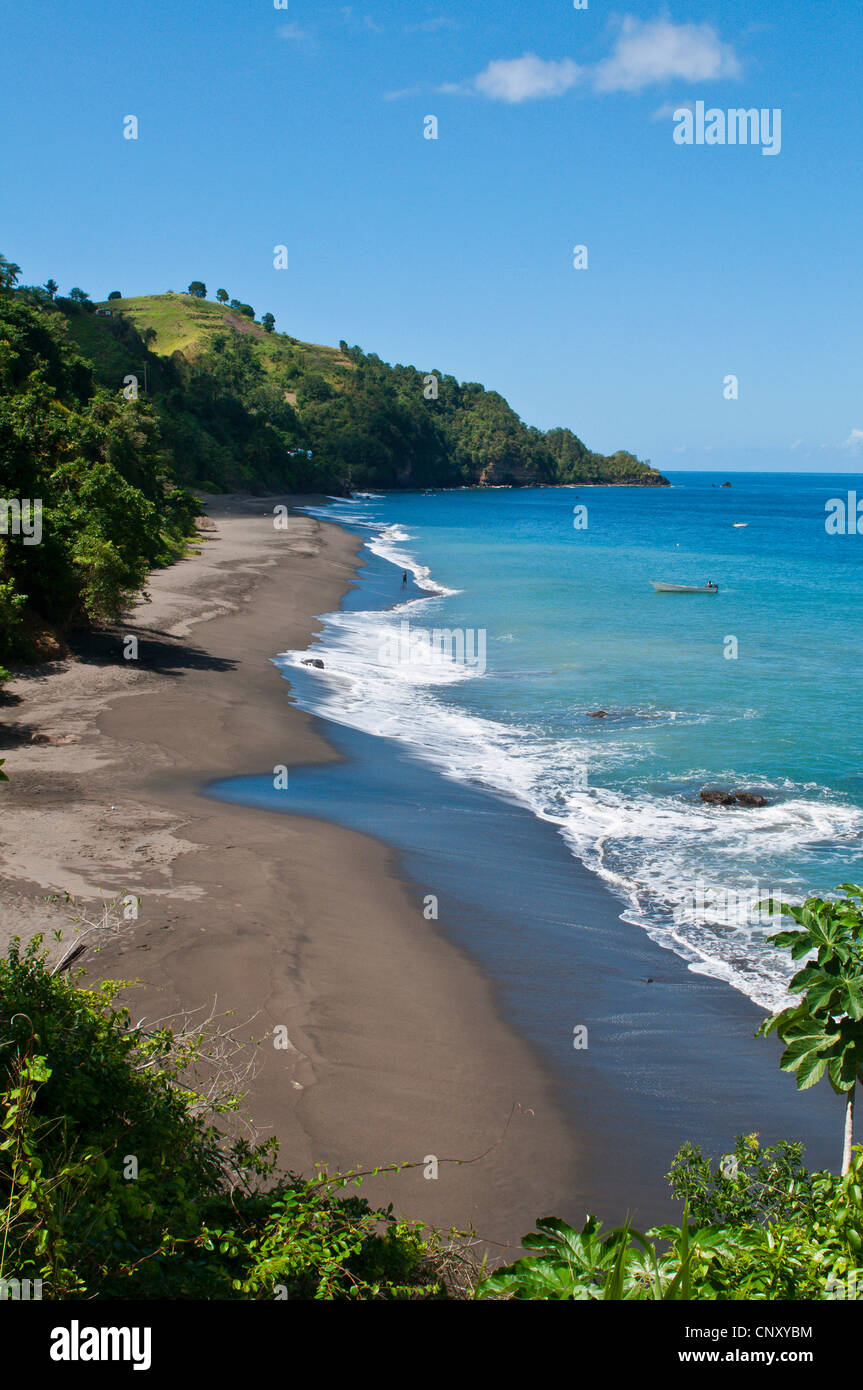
[758, 1227]
[823, 1033]
[93, 464]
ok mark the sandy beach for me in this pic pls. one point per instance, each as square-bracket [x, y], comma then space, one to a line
[397, 1049]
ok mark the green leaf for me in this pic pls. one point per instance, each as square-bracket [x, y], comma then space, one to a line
[842, 1070]
[810, 1070]
[821, 991]
[785, 939]
[853, 999]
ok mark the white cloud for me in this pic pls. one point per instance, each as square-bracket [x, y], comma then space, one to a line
[402, 92]
[658, 50]
[854, 443]
[645, 53]
[524, 79]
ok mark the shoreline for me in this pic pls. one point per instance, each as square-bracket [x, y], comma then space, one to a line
[397, 1046]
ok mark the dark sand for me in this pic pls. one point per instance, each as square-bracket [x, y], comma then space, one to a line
[397, 1047]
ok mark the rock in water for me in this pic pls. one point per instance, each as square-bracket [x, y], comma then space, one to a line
[313, 661]
[718, 796]
[714, 796]
[597, 714]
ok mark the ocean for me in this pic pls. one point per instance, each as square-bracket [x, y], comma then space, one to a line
[553, 618]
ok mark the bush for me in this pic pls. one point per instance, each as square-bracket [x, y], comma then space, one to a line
[759, 1227]
[116, 1183]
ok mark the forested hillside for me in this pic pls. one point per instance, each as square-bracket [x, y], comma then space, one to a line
[235, 398]
[116, 414]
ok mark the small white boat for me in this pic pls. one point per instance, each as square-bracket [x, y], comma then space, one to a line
[739, 525]
[685, 588]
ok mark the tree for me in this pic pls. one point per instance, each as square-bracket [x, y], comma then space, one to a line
[148, 336]
[268, 322]
[824, 1032]
[78, 296]
[222, 296]
[198, 289]
[314, 387]
[51, 288]
[9, 273]
[115, 294]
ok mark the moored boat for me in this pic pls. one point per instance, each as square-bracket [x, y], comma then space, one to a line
[684, 588]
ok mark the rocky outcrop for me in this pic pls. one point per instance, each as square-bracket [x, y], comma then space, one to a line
[714, 797]
[511, 474]
[717, 796]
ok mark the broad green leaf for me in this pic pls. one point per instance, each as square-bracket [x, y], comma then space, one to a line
[842, 1070]
[810, 1070]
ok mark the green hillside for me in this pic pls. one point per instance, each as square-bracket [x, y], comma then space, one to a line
[187, 324]
[364, 423]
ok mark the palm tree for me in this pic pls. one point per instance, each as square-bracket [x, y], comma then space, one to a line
[9, 273]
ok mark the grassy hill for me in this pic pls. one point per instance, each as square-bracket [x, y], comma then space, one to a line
[183, 323]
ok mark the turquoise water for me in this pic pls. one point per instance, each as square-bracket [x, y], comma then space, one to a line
[755, 687]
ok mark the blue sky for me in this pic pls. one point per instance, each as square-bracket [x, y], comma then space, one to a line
[303, 126]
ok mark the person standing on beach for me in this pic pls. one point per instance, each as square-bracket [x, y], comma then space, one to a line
[405, 579]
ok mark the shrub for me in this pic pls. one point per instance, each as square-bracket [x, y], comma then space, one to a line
[115, 1181]
[759, 1227]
